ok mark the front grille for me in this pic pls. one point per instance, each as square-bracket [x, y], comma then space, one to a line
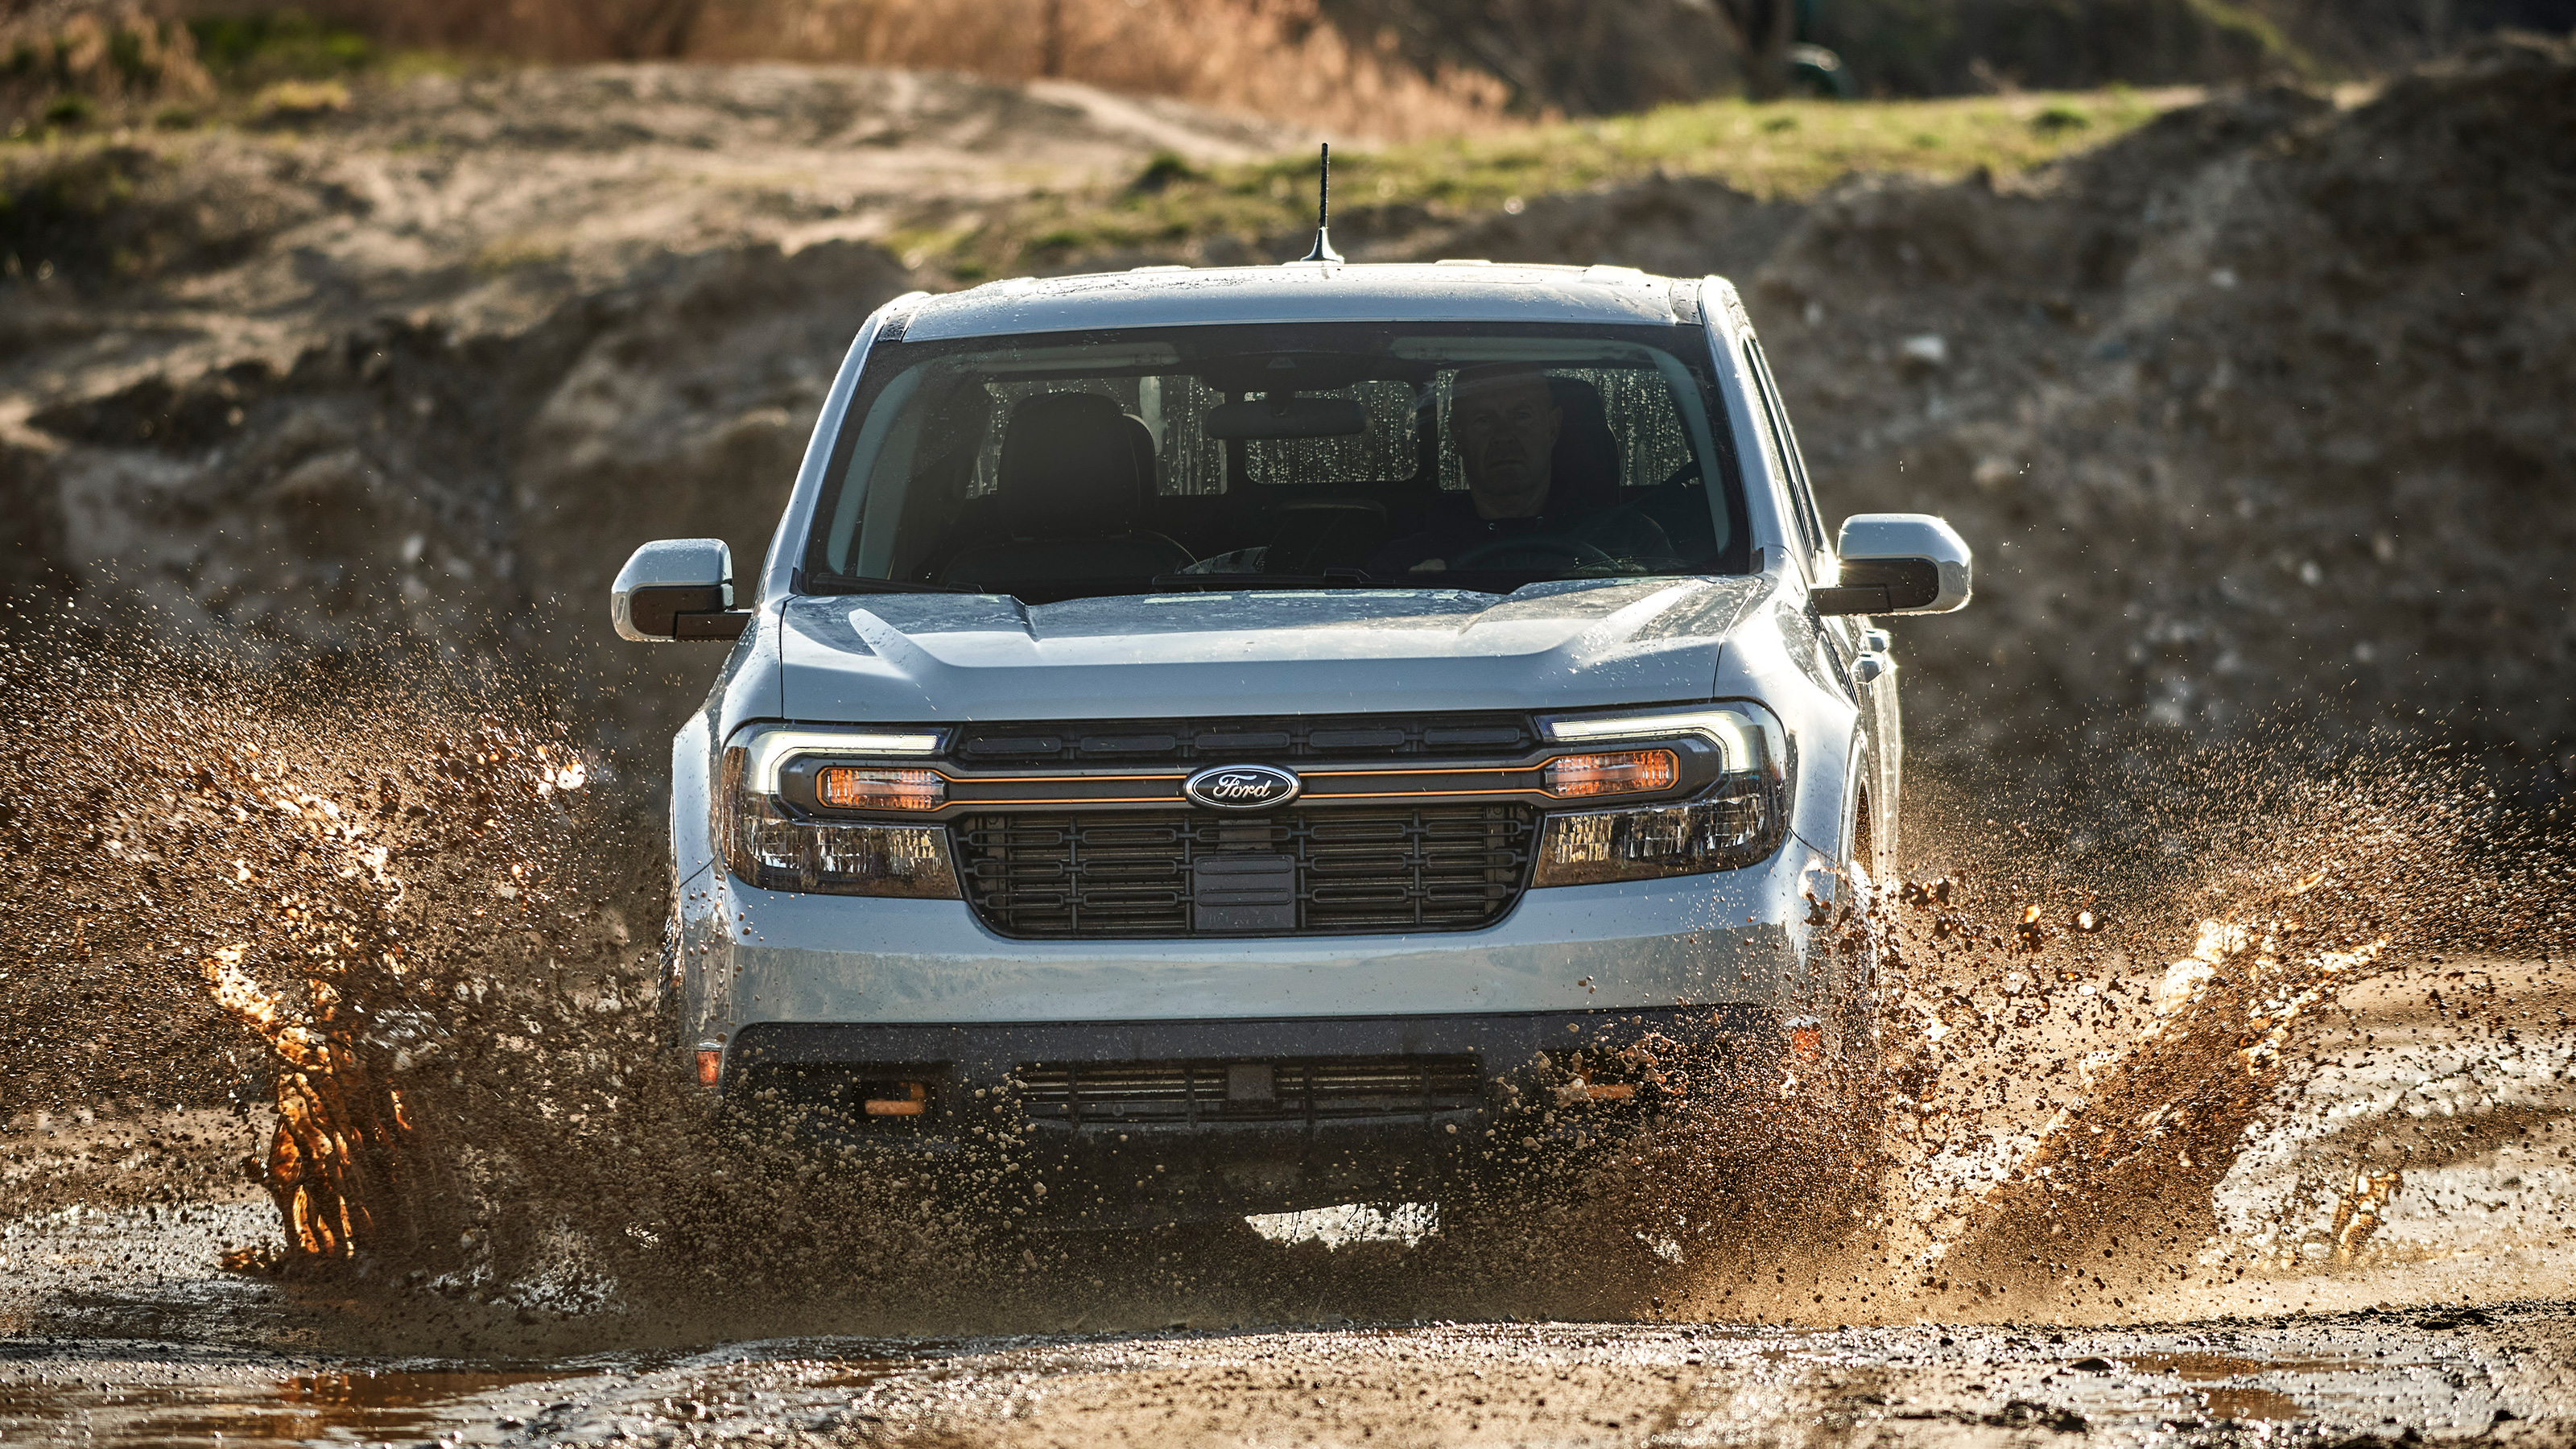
[1175, 873]
[1343, 738]
[1272, 1091]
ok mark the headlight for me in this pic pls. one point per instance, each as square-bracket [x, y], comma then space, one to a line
[1737, 821]
[778, 780]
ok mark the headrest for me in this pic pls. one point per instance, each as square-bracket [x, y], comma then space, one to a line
[1073, 463]
[1586, 465]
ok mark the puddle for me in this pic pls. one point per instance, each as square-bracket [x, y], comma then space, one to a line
[340, 1406]
[2352, 1390]
[2209, 1368]
[2248, 1405]
[1406, 1223]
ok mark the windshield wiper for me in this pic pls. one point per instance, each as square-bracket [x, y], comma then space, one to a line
[843, 584]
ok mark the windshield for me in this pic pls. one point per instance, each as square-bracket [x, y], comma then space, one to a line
[1335, 456]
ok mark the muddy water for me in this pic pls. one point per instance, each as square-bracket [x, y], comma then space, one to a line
[2375, 1378]
[345, 979]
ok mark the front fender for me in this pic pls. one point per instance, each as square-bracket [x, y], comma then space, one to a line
[699, 890]
[1776, 655]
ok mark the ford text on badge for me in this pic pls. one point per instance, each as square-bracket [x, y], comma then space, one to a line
[1242, 787]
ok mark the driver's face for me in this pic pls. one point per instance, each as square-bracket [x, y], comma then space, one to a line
[1505, 430]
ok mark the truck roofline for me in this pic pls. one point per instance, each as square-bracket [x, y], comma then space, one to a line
[1458, 290]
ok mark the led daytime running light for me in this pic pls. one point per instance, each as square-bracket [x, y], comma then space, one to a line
[770, 748]
[1749, 738]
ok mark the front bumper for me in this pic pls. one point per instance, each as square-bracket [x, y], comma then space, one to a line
[1130, 1121]
[818, 1001]
[755, 956]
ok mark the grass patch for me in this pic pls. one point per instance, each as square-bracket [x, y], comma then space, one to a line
[285, 102]
[251, 52]
[71, 108]
[526, 249]
[75, 210]
[1786, 149]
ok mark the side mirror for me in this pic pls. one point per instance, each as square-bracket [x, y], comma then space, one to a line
[1898, 563]
[679, 588]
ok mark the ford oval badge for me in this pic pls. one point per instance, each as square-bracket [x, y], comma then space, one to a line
[1242, 787]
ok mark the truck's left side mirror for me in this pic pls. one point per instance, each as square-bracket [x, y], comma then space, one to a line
[1898, 563]
[678, 588]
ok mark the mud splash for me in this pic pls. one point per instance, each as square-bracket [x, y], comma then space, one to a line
[290, 889]
[2073, 1057]
[383, 910]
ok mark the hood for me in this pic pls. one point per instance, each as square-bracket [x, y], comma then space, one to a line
[925, 657]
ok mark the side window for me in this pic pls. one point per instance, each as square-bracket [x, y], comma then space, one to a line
[1767, 428]
[1809, 518]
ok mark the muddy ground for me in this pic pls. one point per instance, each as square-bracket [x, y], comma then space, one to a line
[2456, 1325]
[2498, 1378]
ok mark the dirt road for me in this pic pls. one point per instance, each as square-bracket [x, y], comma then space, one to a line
[2499, 1377]
[2456, 1322]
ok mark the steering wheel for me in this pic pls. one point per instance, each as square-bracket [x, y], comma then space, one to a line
[1565, 546]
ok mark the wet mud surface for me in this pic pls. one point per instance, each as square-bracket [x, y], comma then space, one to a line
[2453, 1322]
[2500, 1374]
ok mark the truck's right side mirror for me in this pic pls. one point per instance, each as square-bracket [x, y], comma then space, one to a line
[678, 588]
[1898, 563]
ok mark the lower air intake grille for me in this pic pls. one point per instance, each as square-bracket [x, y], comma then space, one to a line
[1331, 871]
[1286, 1090]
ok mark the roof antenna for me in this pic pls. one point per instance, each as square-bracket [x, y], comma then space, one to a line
[1323, 251]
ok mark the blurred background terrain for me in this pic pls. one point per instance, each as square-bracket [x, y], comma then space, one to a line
[2236, 336]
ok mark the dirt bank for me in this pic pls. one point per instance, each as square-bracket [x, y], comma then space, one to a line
[2253, 414]
[437, 363]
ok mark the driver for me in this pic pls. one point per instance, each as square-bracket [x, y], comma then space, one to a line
[1504, 424]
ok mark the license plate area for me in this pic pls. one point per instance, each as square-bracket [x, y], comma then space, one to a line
[1243, 891]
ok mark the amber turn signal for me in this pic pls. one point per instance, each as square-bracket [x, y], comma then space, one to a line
[710, 1064]
[916, 1096]
[846, 787]
[1622, 772]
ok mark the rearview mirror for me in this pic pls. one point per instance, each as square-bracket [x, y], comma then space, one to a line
[678, 588]
[1898, 563]
[1287, 417]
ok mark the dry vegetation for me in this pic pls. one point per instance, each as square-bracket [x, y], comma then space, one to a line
[1782, 150]
[1269, 57]
[61, 65]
